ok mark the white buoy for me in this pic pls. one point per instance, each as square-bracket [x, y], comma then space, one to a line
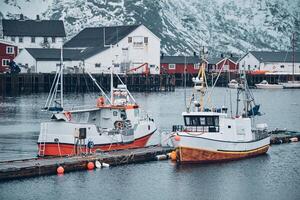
[294, 139]
[105, 164]
[161, 157]
[97, 164]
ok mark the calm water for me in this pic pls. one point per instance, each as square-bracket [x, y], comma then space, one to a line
[272, 176]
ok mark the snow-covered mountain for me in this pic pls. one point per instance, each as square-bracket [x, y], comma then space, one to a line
[234, 26]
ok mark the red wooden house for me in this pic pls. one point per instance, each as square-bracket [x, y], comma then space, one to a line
[8, 52]
[177, 64]
[227, 64]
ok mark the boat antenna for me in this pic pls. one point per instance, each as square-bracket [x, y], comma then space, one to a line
[185, 81]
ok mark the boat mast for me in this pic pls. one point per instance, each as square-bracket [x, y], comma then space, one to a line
[202, 80]
[111, 79]
[293, 45]
[61, 78]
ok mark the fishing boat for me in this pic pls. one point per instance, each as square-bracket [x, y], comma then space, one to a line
[265, 85]
[210, 134]
[112, 123]
[293, 84]
[233, 84]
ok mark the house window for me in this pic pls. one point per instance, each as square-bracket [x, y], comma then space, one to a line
[152, 66]
[281, 66]
[13, 39]
[172, 66]
[32, 39]
[45, 39]
[10, 50]
[53, 39]
[21, 39]
[196, 66]
[97, 65]
[138, 41]
[255, 66]
[129, 39]
[5, 62]
[146, 40]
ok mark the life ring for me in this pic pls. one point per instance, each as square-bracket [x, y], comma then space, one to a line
[68, 115]
[119, 124]
[100, 101]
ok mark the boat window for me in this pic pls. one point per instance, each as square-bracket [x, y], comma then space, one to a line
[216, 121]
[209, 121]
[202, 123]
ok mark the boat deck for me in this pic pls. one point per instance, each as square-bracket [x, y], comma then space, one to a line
[45, 166]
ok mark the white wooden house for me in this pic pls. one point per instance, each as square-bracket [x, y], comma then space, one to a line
[129, 49]
[46, 60]
[271, 62]
[36, 33]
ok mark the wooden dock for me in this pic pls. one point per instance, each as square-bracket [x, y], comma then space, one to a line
[46, 166]
[15, 84]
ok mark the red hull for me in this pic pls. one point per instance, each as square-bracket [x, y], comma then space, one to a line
[54, 149]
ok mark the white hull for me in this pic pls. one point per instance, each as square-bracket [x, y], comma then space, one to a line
[291, 85]
[233, 86]
[268, 86]
[199, 142]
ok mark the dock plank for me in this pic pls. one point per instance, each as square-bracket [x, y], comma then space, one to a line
[45, 166]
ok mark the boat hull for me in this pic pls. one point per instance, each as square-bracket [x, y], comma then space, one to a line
[192, 155]
[67, 149]
[268, 86]
[192, 149]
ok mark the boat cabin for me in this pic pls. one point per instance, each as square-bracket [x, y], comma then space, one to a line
[202, 121]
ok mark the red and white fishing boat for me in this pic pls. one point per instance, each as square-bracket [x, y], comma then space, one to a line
[114, 122]
[211, 134]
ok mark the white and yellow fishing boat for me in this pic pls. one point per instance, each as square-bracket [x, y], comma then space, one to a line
[211, 134]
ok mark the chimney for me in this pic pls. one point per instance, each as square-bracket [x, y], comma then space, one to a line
[195, 54]
[162, 56]
[231, 55]
[37, 17]
[222, 56]
[21, 17]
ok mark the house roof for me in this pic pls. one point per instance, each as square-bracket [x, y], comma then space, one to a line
[33, 28]
[90, 51]
[216, 60]
[179, 59]
[94, 37]
[45, 54]
[281, 56]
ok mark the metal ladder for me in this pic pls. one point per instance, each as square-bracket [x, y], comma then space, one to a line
[42, 144]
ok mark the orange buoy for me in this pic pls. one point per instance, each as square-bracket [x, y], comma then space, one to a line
[90, 166]
[177, 138]
[173, 156]
[60, 170]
